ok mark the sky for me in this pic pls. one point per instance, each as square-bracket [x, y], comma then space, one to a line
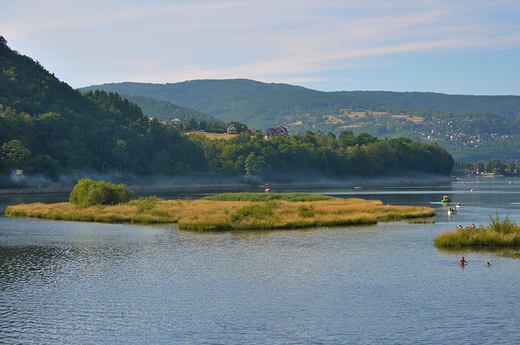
[469, 47]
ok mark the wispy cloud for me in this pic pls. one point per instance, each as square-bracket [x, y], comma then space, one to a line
[161, 41]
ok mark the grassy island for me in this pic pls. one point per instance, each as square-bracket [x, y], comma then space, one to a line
[232, 211]
[499, 233]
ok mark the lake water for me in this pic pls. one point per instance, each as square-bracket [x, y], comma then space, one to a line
[87, 283]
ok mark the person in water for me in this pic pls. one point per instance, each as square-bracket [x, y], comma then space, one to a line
[462, 262]
[488, 264]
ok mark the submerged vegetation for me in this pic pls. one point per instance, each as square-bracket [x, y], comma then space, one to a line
[287, 211]
[499, 233]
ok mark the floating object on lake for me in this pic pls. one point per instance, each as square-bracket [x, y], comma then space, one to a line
[267, 190]
[463, 182]
[472, 189]
[359, 187]
[446, 199]
[488, 264]
[458, 205]
[510, 182]
[452, 211]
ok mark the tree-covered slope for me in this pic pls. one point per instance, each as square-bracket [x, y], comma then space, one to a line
[164, 110]
[260, 105]
[47, 129]
[456, 104]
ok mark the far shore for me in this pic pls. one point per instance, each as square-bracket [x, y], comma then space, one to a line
[316, 183]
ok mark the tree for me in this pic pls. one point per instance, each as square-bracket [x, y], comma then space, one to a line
[3, 41]
[255, 165]
[89, 193]
[15, 153]
[121, 154]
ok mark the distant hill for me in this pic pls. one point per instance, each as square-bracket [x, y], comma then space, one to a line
[456, 104]
[164, 110]
[469, 127]
[257, 104]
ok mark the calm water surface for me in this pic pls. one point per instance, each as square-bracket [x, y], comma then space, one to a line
[86, 283]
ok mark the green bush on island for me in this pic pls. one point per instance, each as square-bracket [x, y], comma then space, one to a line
[499, 233]
[146, 204]
[90, 193]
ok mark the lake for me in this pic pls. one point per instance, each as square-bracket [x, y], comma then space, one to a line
[88, 283]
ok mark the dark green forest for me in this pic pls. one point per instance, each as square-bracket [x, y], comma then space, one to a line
[50, 130]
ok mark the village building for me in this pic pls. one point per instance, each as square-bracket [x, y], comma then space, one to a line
[231, 128]
[275, 132]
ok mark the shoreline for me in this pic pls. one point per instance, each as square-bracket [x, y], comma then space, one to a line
[404, 180]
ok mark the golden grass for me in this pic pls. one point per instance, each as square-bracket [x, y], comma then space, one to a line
[214, 135]
[231, 215]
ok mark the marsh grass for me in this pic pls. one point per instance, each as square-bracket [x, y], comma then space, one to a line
[213, 215]
[499, 233]
[255, 197]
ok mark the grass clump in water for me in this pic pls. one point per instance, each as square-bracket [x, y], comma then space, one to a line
[499, 233]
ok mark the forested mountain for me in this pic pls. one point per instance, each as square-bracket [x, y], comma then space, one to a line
[164, 110]
[48, 130]
[261, 105]
[470, 127]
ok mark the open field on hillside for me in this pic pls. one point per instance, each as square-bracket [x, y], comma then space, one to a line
[213, 135]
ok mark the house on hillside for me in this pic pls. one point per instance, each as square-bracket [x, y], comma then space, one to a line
[319, 133]
[276, 132]
[231, 128]
[173, 122]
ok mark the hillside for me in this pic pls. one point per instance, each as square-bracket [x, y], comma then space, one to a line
[164, 110]
[51, 134]
[469, 127]
[508, 106]
[261, 105]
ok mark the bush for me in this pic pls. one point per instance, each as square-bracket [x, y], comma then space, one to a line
[145, 204]
[89, 193]
[306, 211]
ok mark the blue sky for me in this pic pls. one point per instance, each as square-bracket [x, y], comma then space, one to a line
[455, 47]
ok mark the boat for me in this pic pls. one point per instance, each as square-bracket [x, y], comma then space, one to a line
[446, 199]
[452, 211]
[268, 190]
[458, 205]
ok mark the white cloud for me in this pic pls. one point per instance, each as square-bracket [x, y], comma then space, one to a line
[161, 41]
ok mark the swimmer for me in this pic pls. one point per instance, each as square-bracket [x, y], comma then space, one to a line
[488, 264]
[462, 262]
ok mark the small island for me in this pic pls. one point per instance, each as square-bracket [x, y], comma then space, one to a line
[498, 233]
[230, 211]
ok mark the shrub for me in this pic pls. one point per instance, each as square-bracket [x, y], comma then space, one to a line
[145, 204]
[306, 211]
[89, 193]
[506, 226]
[254, 211]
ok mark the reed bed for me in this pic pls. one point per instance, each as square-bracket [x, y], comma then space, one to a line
[231, 215]
[499, 233]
